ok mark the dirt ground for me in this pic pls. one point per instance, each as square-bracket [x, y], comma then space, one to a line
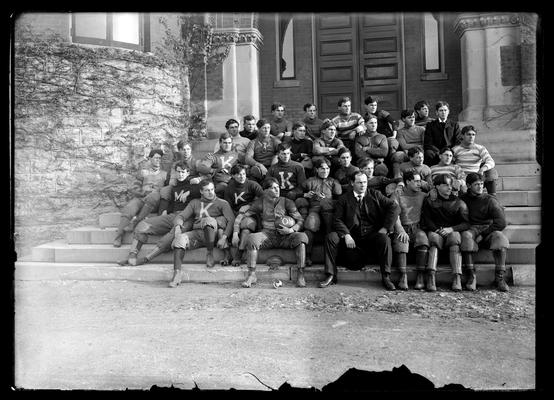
[113, 335]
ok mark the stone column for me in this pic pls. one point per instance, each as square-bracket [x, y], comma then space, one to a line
[491, 67]
[248, 73]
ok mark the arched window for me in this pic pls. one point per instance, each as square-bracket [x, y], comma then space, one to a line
[285, 34]
[127, 30]
[433, 47]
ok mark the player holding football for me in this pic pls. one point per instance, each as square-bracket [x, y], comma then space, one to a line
[277, 231]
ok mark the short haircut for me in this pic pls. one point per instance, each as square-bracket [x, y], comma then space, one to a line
[364, 162]
[182, 143]
[414, 150]
[468, 128]
[270, 181]
[204, 183]
[441, 104]
[369, 100]
[298, 124]
[230, 122]
[371, 116]
[275, 106]
[445, 149]
[225, 135]
[283, 146]
[355, 174]
[155, 151]
[262, 122]
[409, 175]
[344, 150]
[419, 105]
[442, 178]
[473, 177]
[248, 117]
[182, 164]
[343, 100]
[237, 168]
[406, 113]
[308, 105]
[327, 123]
[318, 162]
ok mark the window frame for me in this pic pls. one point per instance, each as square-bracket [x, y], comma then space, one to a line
[435, 74]
[280, 80]
[144, 34]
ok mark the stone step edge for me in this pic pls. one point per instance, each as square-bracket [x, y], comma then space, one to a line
[516, 274]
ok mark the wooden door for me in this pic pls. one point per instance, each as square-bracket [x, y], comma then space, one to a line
[358, 55]
[381, 61]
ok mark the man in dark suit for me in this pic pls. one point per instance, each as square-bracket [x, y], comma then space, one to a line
[364, 218]
[439, 133]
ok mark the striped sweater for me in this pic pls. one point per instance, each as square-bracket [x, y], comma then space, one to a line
[470, 158]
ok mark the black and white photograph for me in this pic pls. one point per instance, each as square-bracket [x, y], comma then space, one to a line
[275, 201]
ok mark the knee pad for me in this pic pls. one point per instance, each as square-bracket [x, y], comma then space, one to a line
[181, 241]
[453, 239]
[244, 208]
[254, 240]
[390, 188]
[468, 242]
[256, 173]
[153, 199]
[399, 157]
[421, 239]
[208, 221]
[313, 222]
[297, 238]
[498, 241]
[165, 192]
[399, 247]
[142, 227]
[248, 223]
[490, 175]
[301, 202]
[381, 170]
[435, 240]
[221, 222]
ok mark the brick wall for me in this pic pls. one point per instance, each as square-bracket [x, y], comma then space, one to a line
[449, 90]
[292, 97]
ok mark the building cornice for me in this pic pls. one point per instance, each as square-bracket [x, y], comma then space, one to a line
[466, 22]
[239, 36]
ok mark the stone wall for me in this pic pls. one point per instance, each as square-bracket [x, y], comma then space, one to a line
[84, 119]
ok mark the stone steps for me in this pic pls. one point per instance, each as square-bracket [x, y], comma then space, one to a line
[519, 274]
[95, 235]
[509, 198]
[59, 251]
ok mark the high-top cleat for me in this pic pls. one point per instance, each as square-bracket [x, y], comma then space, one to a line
[403, 282]
[210, 260]
[117, 241]
[430, 285]
[457, 283]
[500, 283]
[420, 280]
[250, 279]
[176, 281]
[301, 280]
[471, 283]
[387, 283]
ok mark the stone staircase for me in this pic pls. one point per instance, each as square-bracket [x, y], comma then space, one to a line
[87, 252]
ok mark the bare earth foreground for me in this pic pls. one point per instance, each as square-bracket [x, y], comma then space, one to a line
[121, 334]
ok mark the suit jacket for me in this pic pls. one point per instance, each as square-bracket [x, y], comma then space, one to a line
[435, 138]
[381, 210]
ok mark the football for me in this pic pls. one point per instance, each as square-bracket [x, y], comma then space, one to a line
[284, 222]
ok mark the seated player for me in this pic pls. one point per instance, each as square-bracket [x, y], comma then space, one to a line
[261, 152]
[373, 145]
[217, 166]
[445, 166]
[346, 169]
[290, 174]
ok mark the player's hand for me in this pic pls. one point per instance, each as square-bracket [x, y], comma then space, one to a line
[195, 181]
[403, 237]
[350, 243]
[285, 231]
[222, 243]
[236, 239]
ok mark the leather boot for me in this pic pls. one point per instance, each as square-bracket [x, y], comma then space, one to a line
[236, 256]
[403, 282]
[250, 279]
[301, 281]
[300, 253]
[457, 283]
[420, 280]
[176, 279]
[133, 252]
[387, 283]
[499, 281]
[431, 269]
[471, 283]
[210, 259]
[146, 259]
[401, 264]
[431, 287]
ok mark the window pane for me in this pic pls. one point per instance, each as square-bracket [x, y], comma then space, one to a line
[92, 25]
[287, 57]
[126, 27]
[432, 61]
